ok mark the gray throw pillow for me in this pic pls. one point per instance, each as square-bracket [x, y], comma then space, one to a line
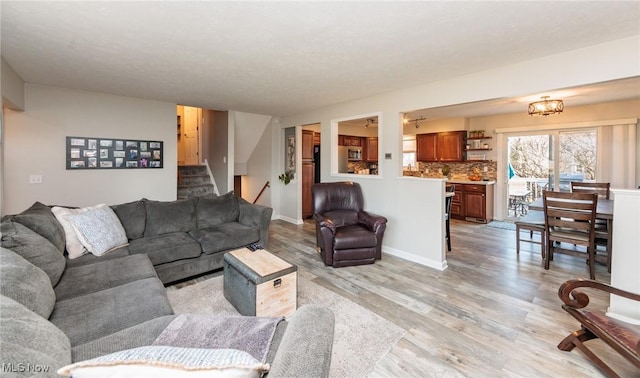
[34, 248]
[28, 338]
[133, 217]
[25, 283]
[212, 211]
[40, 219]
[172, 216]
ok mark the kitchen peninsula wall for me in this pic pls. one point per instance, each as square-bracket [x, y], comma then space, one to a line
[458, 171]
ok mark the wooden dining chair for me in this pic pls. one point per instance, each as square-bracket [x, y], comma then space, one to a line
[533, 221]
[447, 215]
[570, 218]
[603, 190]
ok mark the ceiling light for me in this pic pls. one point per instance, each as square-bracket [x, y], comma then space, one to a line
[546, 107]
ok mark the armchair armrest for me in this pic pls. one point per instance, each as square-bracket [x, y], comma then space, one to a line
[371, 221]
[324, 222]
[577, 299]
[256, 216]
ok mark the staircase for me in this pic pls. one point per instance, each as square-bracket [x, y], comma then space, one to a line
[194, 181]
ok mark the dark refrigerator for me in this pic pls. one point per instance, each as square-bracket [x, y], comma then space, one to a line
[316, 160]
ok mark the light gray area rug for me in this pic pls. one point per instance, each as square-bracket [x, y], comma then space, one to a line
[502, 224]
[361, 337]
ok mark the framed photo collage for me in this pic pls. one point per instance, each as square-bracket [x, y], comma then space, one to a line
[112, 153]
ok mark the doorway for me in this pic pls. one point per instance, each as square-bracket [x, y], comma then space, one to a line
[189, 121]
[547, 161]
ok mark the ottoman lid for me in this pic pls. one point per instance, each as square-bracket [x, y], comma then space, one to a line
[258, 266]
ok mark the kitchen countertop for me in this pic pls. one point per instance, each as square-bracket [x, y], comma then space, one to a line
[455, 181]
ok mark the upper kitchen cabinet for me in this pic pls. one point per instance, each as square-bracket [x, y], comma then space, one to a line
[427, 147]
[370, 150]
[445, 146]
[348, 140]
[451, 145]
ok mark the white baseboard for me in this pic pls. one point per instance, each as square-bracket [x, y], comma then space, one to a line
[290, 220]
[439, 265]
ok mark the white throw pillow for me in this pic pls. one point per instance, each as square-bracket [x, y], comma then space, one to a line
[169, 362]
[74, 248]
[99, 230]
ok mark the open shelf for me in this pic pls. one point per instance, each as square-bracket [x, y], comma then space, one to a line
[479, 149]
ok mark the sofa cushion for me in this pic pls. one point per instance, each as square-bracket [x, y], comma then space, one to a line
[133, 217]
[168, 217]
[104, 274]
[26, 337]
[99, 230]
[93, 259]
[225, 236]
[26, 283]
[132, 337]
[89, 317]
[73, 245]
[40, 219]
[34, 248]
[167, 247]
[212, 211]
[168, 361]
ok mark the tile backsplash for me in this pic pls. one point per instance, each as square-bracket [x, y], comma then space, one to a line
[458, 170]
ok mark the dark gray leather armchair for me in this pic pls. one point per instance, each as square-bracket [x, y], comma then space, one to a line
[346, 234]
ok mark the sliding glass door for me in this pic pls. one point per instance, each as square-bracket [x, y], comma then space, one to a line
[532, 165]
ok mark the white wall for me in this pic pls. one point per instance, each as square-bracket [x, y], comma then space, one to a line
[626, 263]
[412, 206]
[259, 168]
[12, 88]
[35, 144]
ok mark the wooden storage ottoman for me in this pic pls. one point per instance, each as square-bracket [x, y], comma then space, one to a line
[259, 283]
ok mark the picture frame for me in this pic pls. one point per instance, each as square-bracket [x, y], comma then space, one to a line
[113, 153]
[290, 163]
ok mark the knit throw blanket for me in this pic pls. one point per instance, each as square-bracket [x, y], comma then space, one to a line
[247, 333]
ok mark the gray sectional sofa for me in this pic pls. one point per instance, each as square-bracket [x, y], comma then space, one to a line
[54, 311]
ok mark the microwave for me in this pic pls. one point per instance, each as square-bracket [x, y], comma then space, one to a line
[354, 153]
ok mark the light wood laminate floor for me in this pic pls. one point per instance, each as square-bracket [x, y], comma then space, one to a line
[491, 313]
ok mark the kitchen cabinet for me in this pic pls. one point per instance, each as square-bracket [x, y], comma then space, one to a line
[446, 146]
[451, 145]
[348, 140]
[473, 202]
[307, 145]
[316, 139]
[427, 147]
[370, 149]
[457, 209]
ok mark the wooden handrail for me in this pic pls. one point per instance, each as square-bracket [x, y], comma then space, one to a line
[266, 184]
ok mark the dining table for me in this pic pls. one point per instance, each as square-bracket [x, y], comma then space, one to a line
[604, 211]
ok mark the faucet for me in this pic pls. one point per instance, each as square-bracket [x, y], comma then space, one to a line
[409, 166]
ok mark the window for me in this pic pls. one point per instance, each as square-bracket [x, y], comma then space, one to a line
[409, 152]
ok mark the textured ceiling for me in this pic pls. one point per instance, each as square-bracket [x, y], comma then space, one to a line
[282, 58]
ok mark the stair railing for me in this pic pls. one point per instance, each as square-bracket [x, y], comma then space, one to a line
[266, 185]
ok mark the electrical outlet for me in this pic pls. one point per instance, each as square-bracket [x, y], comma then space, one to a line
[35, 179]
[426, 170]
[486, 169]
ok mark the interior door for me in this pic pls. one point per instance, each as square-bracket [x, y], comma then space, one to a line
[191, 135]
